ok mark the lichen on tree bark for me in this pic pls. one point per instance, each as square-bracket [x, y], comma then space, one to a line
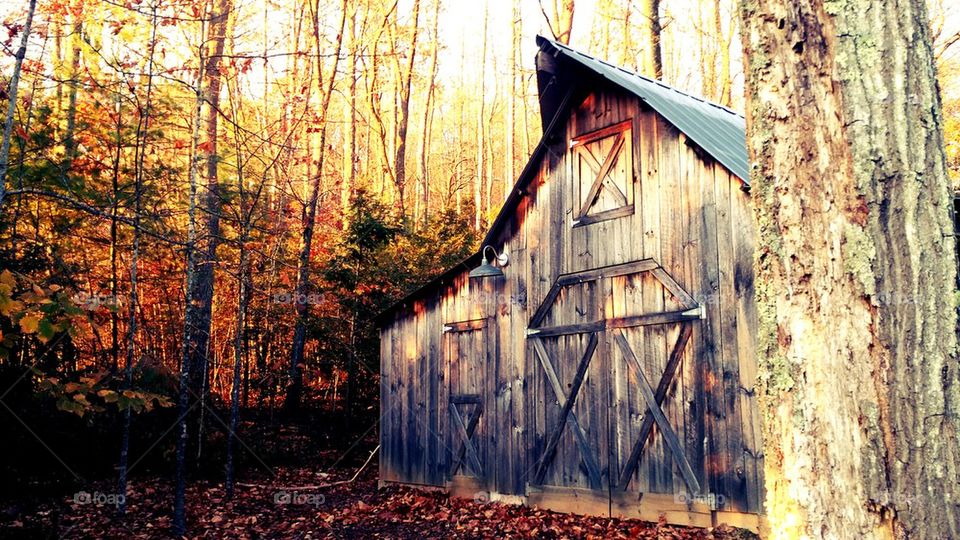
[855, 277]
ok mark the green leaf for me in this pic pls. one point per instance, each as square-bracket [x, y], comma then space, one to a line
[68, 405]
[46, 330]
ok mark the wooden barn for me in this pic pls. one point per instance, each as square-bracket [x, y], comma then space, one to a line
[601, 359]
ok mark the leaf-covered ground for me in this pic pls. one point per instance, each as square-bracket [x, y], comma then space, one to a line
[293, 504]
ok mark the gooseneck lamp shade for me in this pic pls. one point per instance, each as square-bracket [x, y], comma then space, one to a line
[486, 268]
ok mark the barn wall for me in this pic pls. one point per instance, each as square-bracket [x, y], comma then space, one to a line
[689, 215]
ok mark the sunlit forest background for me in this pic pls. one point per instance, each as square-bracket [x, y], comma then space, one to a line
[302, 164]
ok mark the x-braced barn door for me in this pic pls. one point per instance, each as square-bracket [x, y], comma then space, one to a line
[610, 343]
[469, 349]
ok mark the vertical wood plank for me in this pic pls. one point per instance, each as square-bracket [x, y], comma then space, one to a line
[746, 313]
[691, 279]
[734, 475]
[711, 336]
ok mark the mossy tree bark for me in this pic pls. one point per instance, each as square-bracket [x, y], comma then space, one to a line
[856, 277]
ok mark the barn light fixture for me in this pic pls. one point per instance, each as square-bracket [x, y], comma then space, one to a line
[486, 268]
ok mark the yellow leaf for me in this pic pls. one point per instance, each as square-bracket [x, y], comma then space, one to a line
[7, 278]
[9, 307]
[29, 324]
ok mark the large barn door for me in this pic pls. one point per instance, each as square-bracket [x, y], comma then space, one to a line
[571, 382]
[601, 338]
[650, 418]
[469, 347]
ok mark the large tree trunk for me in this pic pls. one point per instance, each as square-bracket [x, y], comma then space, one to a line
[856, 276]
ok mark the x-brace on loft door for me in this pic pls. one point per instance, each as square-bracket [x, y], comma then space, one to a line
[577, 362]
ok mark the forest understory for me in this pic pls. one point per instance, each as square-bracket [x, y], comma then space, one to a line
[302, 488]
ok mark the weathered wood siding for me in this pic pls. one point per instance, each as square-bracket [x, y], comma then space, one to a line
[690, 215]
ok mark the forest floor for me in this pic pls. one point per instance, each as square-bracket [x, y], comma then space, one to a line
[295, 482]
[288, 507]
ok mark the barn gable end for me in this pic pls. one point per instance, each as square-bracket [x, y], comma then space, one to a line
[624, 316]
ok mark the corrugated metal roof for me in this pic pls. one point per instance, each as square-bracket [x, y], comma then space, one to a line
[720, 131]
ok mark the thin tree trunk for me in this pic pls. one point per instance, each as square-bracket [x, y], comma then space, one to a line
[406, 81]
[12, 101]
[201, 293]
[143, 132]
[478, 185]
[246, 207]
[488, 168]
[238, 354]
[374, 96]
[189, 314]
[856, 272]
[427, 134]
[723, 43]
[706, 46]
[511, 99]
[58, 65]
[295, 388]
[461, 123]
[525, 115]
[561, 21]
[114, 277]
[350, 156]
[628, 59]
[651, 60]
[69, 139]
[21, 159]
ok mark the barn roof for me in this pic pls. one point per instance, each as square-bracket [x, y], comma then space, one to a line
[719, 131]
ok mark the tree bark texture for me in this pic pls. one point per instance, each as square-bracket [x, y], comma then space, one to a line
[856, 278]
[200, 295]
